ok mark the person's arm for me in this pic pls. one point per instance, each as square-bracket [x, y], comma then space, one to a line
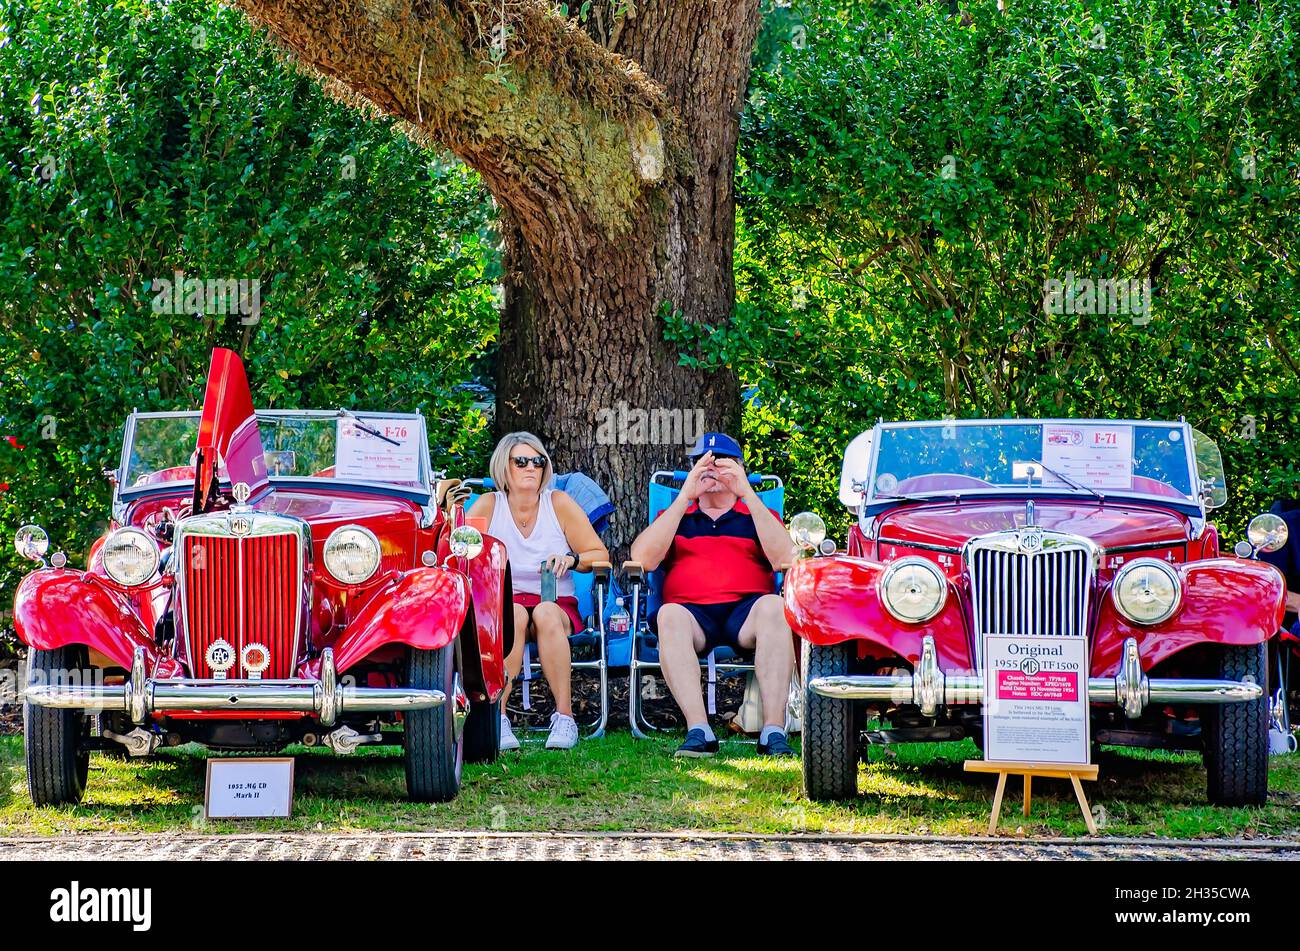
[582, 538]
[483, 506]
[653, 544]
[1293, 602]
[772, 536]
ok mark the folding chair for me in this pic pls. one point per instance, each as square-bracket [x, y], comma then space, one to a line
[592, 590]
[647, 588]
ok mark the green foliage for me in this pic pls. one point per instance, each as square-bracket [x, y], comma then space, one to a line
[140, 139]
[910, 180]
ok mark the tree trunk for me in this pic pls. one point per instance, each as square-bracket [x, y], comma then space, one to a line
[610, 149]
[583, 362]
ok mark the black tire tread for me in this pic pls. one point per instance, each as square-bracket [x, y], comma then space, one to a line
[830, 742]
[429, 741]
[1236, 734]
[57, 763]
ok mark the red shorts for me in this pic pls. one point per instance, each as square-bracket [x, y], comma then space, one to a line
[568, 603]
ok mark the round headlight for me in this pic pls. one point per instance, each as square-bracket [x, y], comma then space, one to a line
[130, 557]
[1146, 591]
[807, 530]
[352, 554]
[913, 589]
[32, 542]
[1267, 532]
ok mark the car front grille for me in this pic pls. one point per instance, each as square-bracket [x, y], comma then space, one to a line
[241, 589]
[1030, 583]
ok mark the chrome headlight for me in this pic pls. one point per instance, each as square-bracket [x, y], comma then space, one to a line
[1267, 532]
[32, 542]
[1146, 591]
[913, 589]
[352, 554]
[130, 557]
[807, 530]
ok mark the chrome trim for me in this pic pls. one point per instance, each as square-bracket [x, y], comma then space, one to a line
[1143, 546]
[924, 546]
[328, 692]
[217, 525]
[929, 687]
[136, 689]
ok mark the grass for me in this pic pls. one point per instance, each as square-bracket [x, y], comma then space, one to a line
[618, 783]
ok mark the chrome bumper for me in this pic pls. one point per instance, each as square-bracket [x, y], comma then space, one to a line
[929, 688]
[325, 699]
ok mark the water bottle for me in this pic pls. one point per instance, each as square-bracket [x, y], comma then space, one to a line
[619, 621]
[548, 582]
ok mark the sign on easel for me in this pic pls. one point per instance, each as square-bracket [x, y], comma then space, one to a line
[249, 788]
[1036, 699]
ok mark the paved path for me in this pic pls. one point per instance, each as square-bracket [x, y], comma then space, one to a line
[630, 845]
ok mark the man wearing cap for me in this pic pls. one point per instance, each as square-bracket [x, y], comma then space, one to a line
[720, 546]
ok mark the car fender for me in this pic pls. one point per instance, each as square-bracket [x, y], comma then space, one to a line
[494, 618]
[1225, 601]
[833, 599]
[56, 608]
[423, 608]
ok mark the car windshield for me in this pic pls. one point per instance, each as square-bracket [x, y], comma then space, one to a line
[384, 448]
[1071, 456]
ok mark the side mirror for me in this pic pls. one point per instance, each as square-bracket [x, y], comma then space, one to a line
[466, 542]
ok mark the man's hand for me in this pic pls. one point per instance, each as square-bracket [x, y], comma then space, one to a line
[732, 474]
[691, 488]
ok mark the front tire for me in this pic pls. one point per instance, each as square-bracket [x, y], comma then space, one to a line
[432, 749]
[830, 741]
[1236, 734]
[58, 761]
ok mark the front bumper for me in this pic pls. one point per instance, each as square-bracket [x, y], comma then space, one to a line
[141, 696]
[929, 688]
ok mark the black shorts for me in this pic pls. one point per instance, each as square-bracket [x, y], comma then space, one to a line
[721, 623]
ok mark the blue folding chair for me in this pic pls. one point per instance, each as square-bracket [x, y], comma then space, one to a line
[647, 588]
[592, 589]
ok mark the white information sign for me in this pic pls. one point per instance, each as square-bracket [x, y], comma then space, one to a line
[1036, 699]
[249, 788]
[377, 450]
[1099, 457]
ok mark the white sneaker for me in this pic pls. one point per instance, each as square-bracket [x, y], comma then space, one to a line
[564, 732]
[508, 739]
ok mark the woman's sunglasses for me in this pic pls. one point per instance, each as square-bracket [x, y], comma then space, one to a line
[523, 462]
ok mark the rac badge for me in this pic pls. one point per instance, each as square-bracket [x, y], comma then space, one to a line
[220, 656]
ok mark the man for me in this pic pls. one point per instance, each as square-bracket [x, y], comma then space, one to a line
[720, 546]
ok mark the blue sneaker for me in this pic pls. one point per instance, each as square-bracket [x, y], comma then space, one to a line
[696, 745]
[776, 745]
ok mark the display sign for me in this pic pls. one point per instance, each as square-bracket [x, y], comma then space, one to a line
[249, 788]
[1036, 699]
[377, 450]
[1099, 457]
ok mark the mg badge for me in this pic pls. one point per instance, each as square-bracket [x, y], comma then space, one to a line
[1030, 541]
[220, 656]
[241, 492]
[255, 658]
[241, 525]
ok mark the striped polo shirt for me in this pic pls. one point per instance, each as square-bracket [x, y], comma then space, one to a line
[713, 562]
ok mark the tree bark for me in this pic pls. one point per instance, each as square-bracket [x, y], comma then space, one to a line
[611, 156]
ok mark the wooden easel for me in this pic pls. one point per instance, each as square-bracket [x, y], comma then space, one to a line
[1029, 771]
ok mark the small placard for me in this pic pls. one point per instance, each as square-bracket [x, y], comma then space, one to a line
[377, 450]
[252, 788]
[1036, 699]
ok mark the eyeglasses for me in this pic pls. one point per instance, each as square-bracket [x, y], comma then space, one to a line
[522, 462]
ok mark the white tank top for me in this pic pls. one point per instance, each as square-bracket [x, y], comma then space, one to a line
[527, 554]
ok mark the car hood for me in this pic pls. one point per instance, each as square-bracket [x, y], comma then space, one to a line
[1109, 525]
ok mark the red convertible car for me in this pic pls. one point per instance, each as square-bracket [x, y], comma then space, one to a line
[1089, 528]
[269, 578]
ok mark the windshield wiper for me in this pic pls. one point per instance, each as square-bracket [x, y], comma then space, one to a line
[1070, 482]
[366, 429]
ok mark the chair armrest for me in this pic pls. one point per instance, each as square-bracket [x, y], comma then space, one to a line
[600, 572]
[634, 571]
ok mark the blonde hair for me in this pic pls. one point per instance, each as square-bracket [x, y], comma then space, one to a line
[500, 464]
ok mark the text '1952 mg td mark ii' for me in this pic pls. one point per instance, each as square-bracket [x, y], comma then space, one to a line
[269, 578]
[1056, 528]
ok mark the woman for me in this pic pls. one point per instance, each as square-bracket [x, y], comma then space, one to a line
[539, 526]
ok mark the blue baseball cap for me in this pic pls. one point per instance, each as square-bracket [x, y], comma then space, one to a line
[720, 444]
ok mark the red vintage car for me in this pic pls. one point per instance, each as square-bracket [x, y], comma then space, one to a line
[269, 578]
[1090, 528]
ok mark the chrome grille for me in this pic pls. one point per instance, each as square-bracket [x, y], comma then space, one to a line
[1025, 584]
[243, 589]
